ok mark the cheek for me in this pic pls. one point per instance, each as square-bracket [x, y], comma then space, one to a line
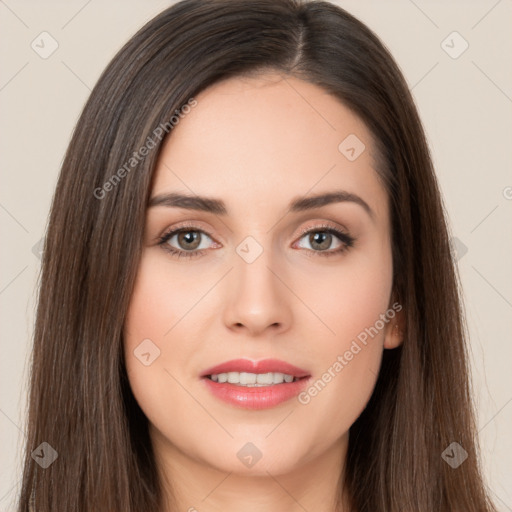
[359, 301]
[159, 299]
[154, 311]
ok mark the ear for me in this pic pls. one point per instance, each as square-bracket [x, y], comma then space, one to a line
[394, 331]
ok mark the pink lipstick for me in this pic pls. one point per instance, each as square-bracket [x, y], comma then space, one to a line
[255, 384]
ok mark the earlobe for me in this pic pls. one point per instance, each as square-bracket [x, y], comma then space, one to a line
[394, 335]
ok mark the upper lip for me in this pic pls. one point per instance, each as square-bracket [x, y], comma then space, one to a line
[263, 366]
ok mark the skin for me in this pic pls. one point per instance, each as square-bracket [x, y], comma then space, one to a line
[257, 143]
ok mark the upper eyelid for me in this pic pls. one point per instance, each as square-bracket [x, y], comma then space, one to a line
[325, 225]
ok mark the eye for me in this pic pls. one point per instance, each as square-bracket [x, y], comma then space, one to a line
[320, 238]
[189, 241]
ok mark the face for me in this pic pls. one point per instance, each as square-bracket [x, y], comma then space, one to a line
[295, 288]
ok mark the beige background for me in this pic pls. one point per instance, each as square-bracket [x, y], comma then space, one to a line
[466, 107]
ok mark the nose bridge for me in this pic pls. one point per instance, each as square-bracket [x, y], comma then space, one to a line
[252, 267]
[257, 295]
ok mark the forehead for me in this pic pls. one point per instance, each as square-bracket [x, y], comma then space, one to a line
[268, 138]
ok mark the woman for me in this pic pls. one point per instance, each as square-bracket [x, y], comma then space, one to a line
[307, 350]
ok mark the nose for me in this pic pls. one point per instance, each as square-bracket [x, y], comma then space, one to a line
[258, 297]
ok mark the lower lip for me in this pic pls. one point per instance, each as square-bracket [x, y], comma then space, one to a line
[255, 398]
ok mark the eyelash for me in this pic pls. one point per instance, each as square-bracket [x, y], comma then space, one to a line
[345, 238]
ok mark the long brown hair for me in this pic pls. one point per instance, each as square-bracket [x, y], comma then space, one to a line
[80, 400]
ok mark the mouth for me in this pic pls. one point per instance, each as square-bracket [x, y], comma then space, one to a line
[255, 385]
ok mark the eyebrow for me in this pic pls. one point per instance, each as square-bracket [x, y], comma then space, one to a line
[218, 206]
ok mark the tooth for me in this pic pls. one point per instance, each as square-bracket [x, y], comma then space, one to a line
[233, 377]
[264, 378]
[251, 378]
[247, 378]
[278, 378]
[223, 377]
[288, 378]
[215, 378]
